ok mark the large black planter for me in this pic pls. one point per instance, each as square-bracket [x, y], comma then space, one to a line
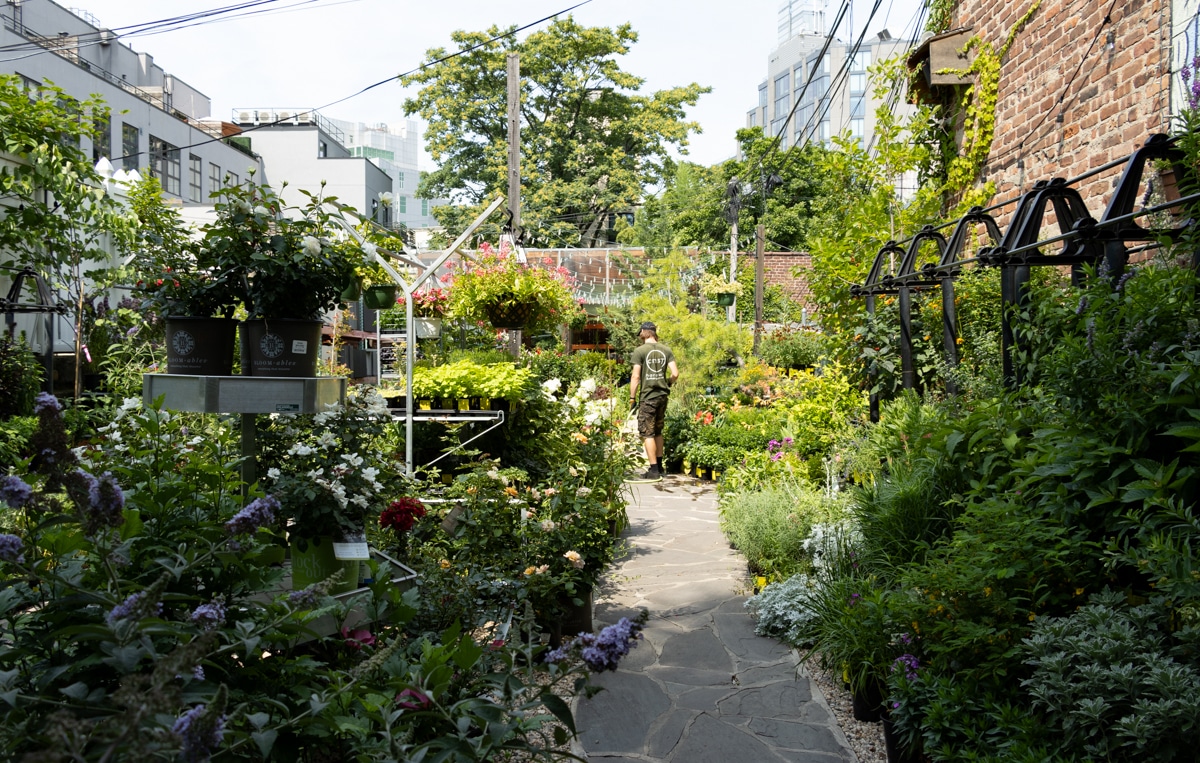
[200, 346]
[280, 347]
[567, 619]
[895, 753]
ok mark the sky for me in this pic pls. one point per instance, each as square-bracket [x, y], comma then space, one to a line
[300, 54]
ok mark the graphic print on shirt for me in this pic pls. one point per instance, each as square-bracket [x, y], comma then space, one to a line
[656, 365]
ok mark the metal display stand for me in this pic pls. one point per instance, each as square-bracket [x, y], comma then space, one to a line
[247, 395]
[424, 272]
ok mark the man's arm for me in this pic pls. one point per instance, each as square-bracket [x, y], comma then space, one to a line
[635, 380]
[674, 377]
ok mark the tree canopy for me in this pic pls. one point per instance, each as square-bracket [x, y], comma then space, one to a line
[591, 143]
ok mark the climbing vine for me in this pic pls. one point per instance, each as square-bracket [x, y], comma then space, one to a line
[978, 103]
[940, 14]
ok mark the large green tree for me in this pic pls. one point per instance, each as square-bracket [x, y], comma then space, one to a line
[591, 143]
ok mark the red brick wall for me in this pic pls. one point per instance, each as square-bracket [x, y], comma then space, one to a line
[1118, 98]
[778, 269]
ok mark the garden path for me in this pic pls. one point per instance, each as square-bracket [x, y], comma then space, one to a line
[701, 687]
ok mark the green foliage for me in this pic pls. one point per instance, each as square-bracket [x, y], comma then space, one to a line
[20, 378]
[57, 212]
[497, 280]
[769, 526]
[1105, 680]
[792, 348]
[590, 142]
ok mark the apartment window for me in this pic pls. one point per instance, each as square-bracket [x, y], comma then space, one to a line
[762, 95]
[783, 99]
[322, 149]
[751, 118]
[101, 138]
[858, 83]
[195, 174]
[424, 207]
[861, 62]
[403, 204]
[165, 165]
[214, 178]
[129, 147]
[823, 131]
[857, 126]
[375, 210]
[232, 180]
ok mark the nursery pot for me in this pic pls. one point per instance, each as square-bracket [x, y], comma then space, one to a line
[201, 346]
[428, 328]
[379, 297]
[504, 316]
[280, 347]
[313, 560]
[895, 752]
[867, 703]
[726, 298]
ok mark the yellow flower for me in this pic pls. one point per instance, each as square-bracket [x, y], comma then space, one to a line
[444, 564]
[987, 591]
[512, 491]
[579, 437]
[1079, 592]
[1032, 617]
[958, 341]
[472, 490]
[530, 570]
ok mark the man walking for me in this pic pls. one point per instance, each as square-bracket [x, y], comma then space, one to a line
[654, 372]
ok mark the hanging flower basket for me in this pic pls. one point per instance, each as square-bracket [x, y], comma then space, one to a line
[379, 297]
[428, 328]
[508, 316]
[725, 299]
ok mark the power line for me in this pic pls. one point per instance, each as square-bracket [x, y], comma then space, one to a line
[422, 67]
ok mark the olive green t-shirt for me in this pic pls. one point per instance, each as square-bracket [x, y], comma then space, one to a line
[655, 358]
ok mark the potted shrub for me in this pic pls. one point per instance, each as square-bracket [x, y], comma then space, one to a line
[330, 473]
[185, 285]
[291, 270]
[792, 348]
[500, 290]
[716, 287]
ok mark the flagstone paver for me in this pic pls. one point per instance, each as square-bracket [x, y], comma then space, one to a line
[701, 687]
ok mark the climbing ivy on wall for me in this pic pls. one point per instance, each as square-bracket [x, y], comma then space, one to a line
[978, 105]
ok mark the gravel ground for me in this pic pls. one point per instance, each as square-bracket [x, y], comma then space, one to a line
[866, 739]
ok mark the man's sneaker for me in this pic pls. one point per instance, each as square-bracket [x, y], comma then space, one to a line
[651, 475]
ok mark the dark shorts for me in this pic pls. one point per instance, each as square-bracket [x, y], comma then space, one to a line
[651, 414]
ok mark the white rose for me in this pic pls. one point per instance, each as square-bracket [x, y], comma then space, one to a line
[312, 246]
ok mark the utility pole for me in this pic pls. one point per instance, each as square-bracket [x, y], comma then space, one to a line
[514, 139]
[760, 245]
[734, 191]
[514, 168]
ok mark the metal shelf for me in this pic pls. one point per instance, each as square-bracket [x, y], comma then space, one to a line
[244, 394]
[450, 416]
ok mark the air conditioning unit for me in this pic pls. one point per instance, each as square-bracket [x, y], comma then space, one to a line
[283, 116]
[264, 116]
[304, 118]
[245, 117]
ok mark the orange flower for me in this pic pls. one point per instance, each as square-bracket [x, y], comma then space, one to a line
[512, 491]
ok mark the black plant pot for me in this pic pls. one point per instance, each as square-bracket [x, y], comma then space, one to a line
[867, 703]
[514, 316]
[891, 742]
[201, 346]
[280, 347]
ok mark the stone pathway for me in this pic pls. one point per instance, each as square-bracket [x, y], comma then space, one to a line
[701, 687]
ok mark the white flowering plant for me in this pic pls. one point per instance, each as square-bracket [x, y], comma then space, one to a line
[290, 262]
[333, 471]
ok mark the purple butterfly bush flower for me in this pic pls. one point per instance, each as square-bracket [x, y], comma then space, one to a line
[259, 512]
[602, 651]
[45, 402]
[100, 500]
[201, 733]
[10, 548]
[15, 491]
[208, 616]
[136, 606]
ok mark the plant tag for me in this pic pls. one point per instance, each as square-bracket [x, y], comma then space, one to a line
[287, 407]
[350, 551]
[299, 347]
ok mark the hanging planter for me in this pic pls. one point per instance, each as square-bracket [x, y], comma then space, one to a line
[428, 328]
[512, 316]
[353, 290]
[726, 298]
[379, 296]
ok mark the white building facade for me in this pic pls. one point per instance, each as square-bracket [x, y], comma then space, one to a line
[832, 91]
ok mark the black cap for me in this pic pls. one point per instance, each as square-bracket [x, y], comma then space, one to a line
[648, 326]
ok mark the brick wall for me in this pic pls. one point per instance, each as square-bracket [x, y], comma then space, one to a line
[1120, 95]
[778, 269]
